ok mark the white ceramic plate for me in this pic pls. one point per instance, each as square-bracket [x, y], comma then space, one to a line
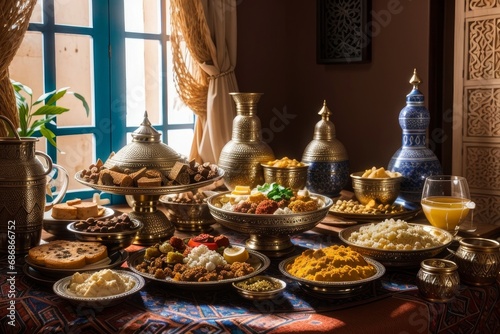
[61, 289]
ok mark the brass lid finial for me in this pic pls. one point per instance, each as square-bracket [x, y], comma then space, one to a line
[415, 80]
[325, 112]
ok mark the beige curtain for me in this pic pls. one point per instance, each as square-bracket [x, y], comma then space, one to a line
[204, 55]
[14, 21]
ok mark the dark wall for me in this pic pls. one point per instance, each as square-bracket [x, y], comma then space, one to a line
[277, 57]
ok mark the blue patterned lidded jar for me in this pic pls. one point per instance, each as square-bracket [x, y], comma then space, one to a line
[414, 160]
[328, 171]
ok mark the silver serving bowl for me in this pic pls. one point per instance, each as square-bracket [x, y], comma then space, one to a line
[380, 190]
[269, 233]
[193, 217]
[288, 177]
[401, 258]
[260, 295]
[332, 289]
[61, 289]
[112, 240]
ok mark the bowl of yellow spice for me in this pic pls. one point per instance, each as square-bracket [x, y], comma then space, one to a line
[289, 173]
[336, 270]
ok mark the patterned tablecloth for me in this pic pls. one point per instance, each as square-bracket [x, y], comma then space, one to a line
[390, 305]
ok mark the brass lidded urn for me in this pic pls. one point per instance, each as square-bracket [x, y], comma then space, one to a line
[328, 171]
[241, 157]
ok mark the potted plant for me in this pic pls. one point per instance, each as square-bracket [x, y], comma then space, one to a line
[45, 106]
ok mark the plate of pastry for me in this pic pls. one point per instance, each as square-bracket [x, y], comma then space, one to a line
[62, 257]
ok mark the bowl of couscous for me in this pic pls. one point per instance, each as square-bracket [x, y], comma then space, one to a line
[396, 242]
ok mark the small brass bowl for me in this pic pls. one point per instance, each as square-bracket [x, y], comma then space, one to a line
[260, 295]
[112, 240]
[294, 178]
[193, 217]
[380, 190]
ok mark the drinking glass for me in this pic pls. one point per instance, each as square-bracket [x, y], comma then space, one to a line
[446, 202]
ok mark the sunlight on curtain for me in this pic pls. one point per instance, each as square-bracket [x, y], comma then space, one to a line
[205, 87]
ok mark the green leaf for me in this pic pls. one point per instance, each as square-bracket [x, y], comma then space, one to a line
[49, 135]
[42, 121]
[276, 192]
[50, 110]
[84, 102]
[56, 95]
[20, 87]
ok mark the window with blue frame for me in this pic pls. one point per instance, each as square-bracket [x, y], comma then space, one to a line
[116, 54]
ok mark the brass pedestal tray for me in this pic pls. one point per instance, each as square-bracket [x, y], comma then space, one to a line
[157, 227]
[269, 234]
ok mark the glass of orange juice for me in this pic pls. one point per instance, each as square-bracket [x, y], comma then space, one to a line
[446, 202]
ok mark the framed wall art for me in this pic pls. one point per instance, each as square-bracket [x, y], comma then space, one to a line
[343, 34]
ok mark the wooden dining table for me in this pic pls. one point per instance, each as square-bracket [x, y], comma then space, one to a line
[391, 304]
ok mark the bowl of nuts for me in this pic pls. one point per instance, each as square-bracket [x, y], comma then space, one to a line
[289, 173]
[376, 186]
[189, 211]
[116, 232]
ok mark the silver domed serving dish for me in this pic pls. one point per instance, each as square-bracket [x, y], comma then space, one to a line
[269, 234]
[147, 150]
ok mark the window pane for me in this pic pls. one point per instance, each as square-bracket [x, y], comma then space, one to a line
[36, 16]
[74, 13]
[142, 16]
[77, 153]
[74, 70]
[143, 76]
[27, 65]
[178, 112]
[180, 140]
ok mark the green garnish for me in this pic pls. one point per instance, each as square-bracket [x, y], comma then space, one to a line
[275, 192]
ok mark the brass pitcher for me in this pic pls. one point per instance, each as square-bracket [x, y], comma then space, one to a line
[23, 182]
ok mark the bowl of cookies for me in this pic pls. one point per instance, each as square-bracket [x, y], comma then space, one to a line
[116, 232]
[189, 211]
[376, 186]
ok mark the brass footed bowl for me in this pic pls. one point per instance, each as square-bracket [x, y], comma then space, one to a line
[380, 190]
[289, 177]
[112, 240]
[269, 234]
[194, 217]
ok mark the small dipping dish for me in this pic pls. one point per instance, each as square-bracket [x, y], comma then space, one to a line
[260, 287]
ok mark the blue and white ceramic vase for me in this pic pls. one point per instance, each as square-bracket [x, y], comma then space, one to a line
[414, 160]
[328, 171]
